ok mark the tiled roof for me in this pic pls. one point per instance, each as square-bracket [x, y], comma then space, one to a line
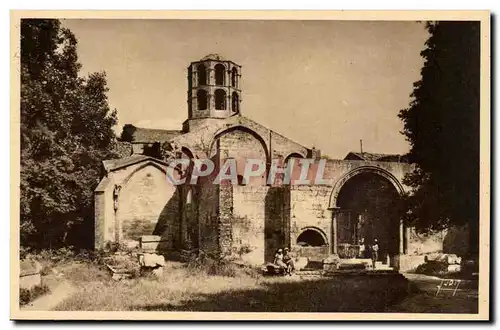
[151, 135]
[102, 185]
[374, 157]
[112, 164]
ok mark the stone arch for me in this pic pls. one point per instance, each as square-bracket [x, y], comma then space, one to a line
[313, 235]
[359, 170]
[202, 99]
[243, 128]
[234, 77]
[220, 99]
[220, 71]
[186, 151]
[235, 102]
[145, 199]
[149, 163]
[293, 155]
[202, 74]
[189, 196]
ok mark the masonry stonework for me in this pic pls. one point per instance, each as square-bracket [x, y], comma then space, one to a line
[244, 221]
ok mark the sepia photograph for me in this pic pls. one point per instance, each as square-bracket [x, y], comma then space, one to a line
[250, 165]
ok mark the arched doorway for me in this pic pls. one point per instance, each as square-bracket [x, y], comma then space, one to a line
[367, 206]
[311, 237]
[313, 243]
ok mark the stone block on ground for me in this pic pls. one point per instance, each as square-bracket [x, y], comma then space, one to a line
[30, 275]
[301, 263]
[454, 268]
[151, 260]
[331, 263]
[150, 243]
[451, 259]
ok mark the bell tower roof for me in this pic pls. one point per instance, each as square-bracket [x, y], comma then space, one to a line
[213, 57]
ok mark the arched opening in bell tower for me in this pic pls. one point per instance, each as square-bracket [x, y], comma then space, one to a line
[201, 96]
[202, 75]
[219, 75]
[220, 99]
[234, 77]
[235, 102]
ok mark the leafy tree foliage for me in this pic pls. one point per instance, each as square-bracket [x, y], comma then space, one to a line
[128, 133]
[442, 126]
[66, 131]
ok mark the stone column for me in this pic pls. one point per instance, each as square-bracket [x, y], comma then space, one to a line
[194, 78]
[401, 237]
[334, 230]
[225, 219]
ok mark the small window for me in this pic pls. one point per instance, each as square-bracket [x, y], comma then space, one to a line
[219, 74]
[220, 99]
[235, 103]
[201, 95]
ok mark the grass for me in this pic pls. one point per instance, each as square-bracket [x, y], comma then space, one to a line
[208, 286]
[429, 303]
[28, 295]
[191, 289]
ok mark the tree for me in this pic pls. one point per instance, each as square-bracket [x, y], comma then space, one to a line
[66, 131]
[442, 126]
[127, 134]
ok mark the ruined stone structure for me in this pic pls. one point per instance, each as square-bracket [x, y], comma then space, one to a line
[249, 221]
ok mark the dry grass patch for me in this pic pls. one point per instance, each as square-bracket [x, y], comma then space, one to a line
[97, 292]
[186, 288]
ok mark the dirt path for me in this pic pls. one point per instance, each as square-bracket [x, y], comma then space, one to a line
[48, 302]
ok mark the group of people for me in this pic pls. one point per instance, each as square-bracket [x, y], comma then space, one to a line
[284, 261]
[372, 251]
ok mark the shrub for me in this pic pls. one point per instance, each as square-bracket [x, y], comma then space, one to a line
[219, 267]
[28, 295]
[222, 268]
[96, 257]
[55, 256]
[432, 268]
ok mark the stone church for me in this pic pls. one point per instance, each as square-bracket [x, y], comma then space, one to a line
[136, 205]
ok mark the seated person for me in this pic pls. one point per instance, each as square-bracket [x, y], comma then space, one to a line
[278, 260]
[288, 260]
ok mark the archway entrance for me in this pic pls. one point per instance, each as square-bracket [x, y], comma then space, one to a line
[313, 244]
[311, 237]
[368, 208]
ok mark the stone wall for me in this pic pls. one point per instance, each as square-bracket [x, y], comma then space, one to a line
[454, 240]
[310, 210]
[205, 131]
[104, 212]
[189, 221]
[248, 223]
[241, 145]
[149, 204]
[277, 220]
[225, 234]
[208, 215]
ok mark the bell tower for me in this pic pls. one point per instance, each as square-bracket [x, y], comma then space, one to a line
[213, 88]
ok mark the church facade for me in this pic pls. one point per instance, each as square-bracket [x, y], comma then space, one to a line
[137, 205]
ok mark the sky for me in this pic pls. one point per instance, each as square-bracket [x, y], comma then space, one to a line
[327, 84]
